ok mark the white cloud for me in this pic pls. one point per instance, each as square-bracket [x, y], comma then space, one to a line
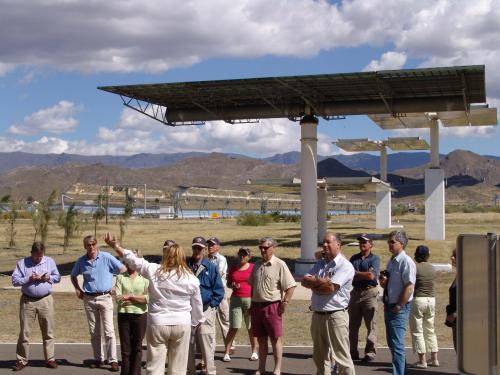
[389, 60]
[56, 119]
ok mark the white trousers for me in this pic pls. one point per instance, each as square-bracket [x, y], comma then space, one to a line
[422, 312]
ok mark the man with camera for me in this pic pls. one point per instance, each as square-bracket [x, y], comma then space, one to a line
[364, 298]
[398, 282]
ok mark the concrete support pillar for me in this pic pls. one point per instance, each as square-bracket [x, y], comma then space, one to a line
[322, 213]
[383, 163]
[434, 191]
[383, 214]
[308, 194]
[434, 144]
[434, 204]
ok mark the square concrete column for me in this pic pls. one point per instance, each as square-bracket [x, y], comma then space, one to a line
[383, 214]
[434, 204]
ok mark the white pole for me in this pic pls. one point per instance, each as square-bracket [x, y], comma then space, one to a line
[383, 163]
[434, 143]
[308, 194]
[145, 200]
[322, 212]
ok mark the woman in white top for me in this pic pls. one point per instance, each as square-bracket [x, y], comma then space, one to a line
[174, 307]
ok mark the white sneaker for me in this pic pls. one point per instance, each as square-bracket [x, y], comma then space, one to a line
[254, 357]
[226, 358]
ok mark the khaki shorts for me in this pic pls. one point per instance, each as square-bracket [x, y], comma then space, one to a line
[239, 310]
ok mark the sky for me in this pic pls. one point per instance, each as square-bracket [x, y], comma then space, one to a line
[55, 53]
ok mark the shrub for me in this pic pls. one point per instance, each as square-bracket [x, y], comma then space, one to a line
[253, 220]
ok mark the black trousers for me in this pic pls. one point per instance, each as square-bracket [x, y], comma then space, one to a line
[132, 328]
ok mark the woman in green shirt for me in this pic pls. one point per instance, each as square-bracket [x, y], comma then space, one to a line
[131, 296]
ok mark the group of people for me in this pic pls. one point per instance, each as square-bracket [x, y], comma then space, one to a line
[346, 292]
[177, 303]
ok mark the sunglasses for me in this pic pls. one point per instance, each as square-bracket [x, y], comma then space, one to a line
[264, 247]
[392, 242]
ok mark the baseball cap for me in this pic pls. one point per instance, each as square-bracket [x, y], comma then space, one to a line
[199, 241]
[214, 240]
[364, 237]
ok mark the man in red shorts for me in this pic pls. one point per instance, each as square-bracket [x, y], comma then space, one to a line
[272, 288]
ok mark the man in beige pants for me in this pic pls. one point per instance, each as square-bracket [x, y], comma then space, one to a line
[330, 280]
[35, 275]
[98, 268]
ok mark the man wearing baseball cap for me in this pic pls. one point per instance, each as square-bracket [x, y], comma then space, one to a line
[364, 298]
[220, 261]
[212, 293]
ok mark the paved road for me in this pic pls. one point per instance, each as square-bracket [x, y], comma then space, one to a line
[297, 361]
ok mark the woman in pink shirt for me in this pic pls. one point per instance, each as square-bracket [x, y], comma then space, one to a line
[239, 305]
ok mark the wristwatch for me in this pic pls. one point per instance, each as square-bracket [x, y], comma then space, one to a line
[399, 307]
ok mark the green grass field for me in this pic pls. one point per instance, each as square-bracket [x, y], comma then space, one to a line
[149, 235]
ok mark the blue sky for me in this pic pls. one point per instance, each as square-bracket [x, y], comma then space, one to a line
[54, 53]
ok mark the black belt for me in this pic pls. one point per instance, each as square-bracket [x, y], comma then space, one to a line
[329, 312]
[96, 294]
[35, 298]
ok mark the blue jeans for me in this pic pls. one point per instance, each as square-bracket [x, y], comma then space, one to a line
[395, 329]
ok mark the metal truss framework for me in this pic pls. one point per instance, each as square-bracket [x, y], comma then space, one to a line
[330, 96]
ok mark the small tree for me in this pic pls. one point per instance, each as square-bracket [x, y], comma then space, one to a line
[11, 219]
[128, 210]
[98, 215]
[70, 222]
[43, 216]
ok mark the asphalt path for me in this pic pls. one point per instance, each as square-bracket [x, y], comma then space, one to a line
[73, 359]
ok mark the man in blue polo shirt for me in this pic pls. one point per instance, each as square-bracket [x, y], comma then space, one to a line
[98, 268]
[364, 298]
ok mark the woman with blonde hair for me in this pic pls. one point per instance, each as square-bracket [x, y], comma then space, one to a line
[174, 306]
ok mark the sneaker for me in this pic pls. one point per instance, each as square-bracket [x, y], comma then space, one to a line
[226, 358]
[254, 357]
[114, 367]
[51, 364]
[19, 366]
[419, 365]
[434, 363]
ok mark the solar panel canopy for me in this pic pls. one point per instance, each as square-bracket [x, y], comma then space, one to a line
[476, 117]
[327, 95]
[394, 143]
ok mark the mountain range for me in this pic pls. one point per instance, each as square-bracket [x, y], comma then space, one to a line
[23, 174]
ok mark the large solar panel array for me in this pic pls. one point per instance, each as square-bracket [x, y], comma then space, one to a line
[327, 95]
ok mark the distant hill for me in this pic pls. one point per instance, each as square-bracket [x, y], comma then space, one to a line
[333, 168]
[213, 170]
[464, 164]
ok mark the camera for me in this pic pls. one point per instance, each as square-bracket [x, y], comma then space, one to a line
[385, 273]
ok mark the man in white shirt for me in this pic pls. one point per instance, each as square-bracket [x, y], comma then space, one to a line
[330, 280]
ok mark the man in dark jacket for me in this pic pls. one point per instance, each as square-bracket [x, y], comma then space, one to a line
[212, 293]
